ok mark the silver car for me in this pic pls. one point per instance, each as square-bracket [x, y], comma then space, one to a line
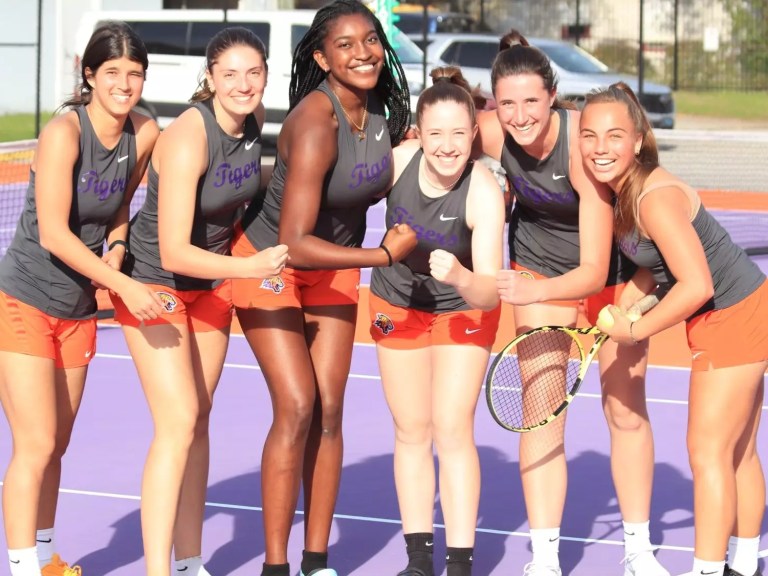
[578, 71]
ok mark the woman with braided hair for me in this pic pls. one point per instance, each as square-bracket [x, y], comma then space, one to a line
[349, 104]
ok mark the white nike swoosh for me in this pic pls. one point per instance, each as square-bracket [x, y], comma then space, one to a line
[121, 158]
[380, 134]
[697, 354]
[557, 176]
[468, 331]
[447, 218]
[249, 145]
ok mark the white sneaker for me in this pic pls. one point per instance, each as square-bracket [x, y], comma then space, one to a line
[643, 563]
[324, 572]
[532, 569]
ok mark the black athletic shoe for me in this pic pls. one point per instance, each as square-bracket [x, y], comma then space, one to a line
[731, 572]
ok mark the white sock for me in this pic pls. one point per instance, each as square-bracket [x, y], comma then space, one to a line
[45, 546]
[704, 568]
[742, 554]
[191, 567]
[23, 562]
[545, 543]
[637, 537]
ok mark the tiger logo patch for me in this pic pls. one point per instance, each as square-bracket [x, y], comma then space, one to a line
[168, 300]
[275, 283]
[383, 323]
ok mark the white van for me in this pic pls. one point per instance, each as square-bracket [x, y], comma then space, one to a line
[176, 42]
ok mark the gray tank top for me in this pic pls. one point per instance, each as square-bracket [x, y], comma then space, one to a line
[734, 275]
[363, 170]
[232, 178]
[439, 223]
[33, 275]
[544, 228]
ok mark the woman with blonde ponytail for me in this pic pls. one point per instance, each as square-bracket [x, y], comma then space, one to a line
[711, 284]
[534, 136]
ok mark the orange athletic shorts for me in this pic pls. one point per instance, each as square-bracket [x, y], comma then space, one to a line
[732, 336]
[202, 310]
[406, 329]
[293, 288]
[26, 330]
[592, 304]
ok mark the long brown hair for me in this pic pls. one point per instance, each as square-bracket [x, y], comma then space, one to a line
[646, 160]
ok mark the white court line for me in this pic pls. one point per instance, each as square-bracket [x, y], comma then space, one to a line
[372, 519]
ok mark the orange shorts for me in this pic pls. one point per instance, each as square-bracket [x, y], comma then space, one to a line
[202, 310]
[592, 304]
[406, 329]
[26, 330]
[732, 336]
[293, 288]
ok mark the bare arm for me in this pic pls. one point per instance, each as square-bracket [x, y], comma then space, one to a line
[181, 158]
[308, 142]
[665, 217]
[57, 153]
[485, 216]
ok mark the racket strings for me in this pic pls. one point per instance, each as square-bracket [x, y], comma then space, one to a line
[534, 378]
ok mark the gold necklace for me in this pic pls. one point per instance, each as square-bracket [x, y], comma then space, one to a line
[438, 186]
[361, 128]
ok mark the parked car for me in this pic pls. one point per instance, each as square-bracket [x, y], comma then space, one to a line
[577, 71]
[176, 41]
[411, 23]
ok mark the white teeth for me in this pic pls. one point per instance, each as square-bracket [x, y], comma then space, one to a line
[524, 128]
[365, 67]
[604, 162]
[120, 98]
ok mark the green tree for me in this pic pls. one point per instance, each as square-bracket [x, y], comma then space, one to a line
[749, 20]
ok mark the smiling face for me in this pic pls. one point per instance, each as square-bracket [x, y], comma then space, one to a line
[524, 107]
[446, 132]
[608, 141]
[352, 53]
[116, 85]
[238, 77]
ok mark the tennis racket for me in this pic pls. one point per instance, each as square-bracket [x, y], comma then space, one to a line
[536, 376]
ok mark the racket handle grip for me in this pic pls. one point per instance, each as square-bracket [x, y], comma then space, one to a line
[643, 305]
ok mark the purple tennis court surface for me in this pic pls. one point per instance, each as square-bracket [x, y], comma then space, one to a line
[98, 522]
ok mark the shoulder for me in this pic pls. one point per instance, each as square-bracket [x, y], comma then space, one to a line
[311, 125]
[146, 130]
[61, 131]
[483, 182]
[188, 129]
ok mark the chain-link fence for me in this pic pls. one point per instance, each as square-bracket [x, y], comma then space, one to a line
[687, 44]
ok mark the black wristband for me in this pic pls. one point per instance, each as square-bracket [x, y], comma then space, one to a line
[122, 243]
[388, 253]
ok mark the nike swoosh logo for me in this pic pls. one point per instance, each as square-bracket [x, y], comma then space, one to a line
[447, 218]
[629, 533]
[557, 176]
[468, 331]
[49, 540]
[121, 158]
[429, 544]
[554, 539]
[182, 569]
[713, 572]
[249, 145]
[15, 561]
[380, 134]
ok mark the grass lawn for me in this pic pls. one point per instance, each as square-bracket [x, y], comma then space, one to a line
[738, 105]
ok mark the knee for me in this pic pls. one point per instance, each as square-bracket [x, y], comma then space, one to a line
[37, 449]
[622, 418]
[331, 415]
[179, 427]
[706, 455]
[293, 419]
[414, 433]
[452, 433]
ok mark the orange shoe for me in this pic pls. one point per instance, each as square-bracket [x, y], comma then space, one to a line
[58, 567]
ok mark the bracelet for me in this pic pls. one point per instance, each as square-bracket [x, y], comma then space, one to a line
[122, 243]
[634, 341]
[388, 253]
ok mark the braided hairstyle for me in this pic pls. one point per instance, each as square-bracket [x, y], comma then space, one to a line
[392, 86]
